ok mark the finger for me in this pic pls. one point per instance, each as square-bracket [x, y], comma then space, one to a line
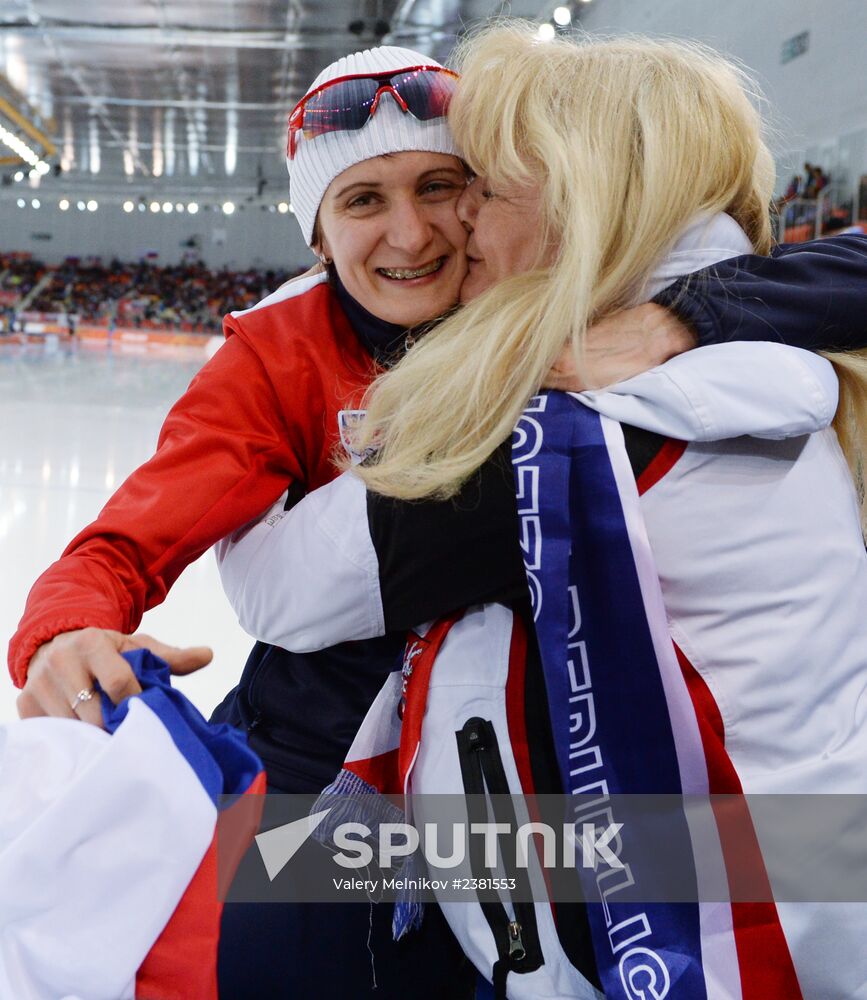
[28, 706]
[88, 709]
[192, 659]
[63, 691]
[54, 701]
[102, 661]
[181, 660]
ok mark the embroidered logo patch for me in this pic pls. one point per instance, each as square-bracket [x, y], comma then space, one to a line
[348, 422]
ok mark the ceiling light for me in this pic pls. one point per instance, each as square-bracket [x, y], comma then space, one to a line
[95, 157]
[228, 207]
[42, 168]
[291, 208]
[63, 205]
[19, 175]
[92, 205]
[20, 148]
[155, 206]
[168, 207]
[21, 203]
[546, 32]
[283, 207]
[141, 206]
[80, 206]
[192, 208]
[128, 206]
[179, 207]
[231, 154]
[36, 203]
[562, 16]
[158, 162]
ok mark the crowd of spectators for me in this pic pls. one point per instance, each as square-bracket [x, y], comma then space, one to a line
[187, 296]
[19, 274]
[800, 206]
[806, 185]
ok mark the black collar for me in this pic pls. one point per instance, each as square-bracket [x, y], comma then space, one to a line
[383, 341]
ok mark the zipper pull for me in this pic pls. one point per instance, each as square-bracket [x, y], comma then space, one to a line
[474, 728]
[517, 951]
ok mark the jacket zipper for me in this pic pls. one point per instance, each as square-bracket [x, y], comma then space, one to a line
[253, 690]
[516, 938]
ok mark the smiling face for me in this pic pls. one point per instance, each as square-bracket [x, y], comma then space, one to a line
[506, 233]
[390, 226]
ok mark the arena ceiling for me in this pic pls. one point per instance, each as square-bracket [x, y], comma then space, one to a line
[194, 94]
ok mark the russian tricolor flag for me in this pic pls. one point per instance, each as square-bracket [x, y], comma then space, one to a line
[108, 870]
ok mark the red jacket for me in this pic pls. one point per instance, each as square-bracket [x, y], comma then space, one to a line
[261, 414]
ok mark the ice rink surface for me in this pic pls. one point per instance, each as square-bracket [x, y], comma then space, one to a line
[74, 422]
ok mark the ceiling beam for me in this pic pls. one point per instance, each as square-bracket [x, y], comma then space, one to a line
[192, 104]
[324, 38]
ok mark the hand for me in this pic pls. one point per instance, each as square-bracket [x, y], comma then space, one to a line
[72, 661]
[620, 346]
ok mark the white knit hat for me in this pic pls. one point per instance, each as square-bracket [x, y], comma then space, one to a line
[390, 130]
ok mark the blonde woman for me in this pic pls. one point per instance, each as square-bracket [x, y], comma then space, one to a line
[691, 539]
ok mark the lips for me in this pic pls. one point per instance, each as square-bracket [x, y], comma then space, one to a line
[408, 273]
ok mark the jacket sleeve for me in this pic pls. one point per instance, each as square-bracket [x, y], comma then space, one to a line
[323, 540]
[224, 454]
[811, 295]
[372, 564]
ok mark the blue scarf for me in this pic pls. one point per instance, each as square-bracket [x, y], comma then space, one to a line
[613, 715]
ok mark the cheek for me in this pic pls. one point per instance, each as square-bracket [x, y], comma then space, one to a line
[350, 241]
[449, 226]
[491, 232]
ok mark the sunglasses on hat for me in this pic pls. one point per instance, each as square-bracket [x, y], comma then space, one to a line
[347, 103]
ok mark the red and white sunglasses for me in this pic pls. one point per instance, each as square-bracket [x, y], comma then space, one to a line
[348, 102]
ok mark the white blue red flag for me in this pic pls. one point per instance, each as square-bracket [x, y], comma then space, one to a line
[108, 870]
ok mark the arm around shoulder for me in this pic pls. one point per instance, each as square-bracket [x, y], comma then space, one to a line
[307, 578]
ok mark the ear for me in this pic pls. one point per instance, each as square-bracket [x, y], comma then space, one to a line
[320, 244]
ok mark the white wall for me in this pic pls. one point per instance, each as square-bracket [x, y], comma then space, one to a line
[819, 99]
[252, 237]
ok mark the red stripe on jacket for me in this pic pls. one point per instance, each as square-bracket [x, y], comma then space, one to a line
[764, 960]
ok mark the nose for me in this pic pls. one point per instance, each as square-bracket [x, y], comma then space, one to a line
[410, 230]
[468, 204]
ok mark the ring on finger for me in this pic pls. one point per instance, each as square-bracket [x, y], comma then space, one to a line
[84, 695]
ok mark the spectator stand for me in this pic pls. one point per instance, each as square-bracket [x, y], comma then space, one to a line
[137, 307]
[832, 209]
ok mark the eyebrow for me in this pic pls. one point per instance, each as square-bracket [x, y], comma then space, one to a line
[378, 184]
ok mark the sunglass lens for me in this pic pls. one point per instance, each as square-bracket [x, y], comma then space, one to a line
[427, 92]
[343, 107]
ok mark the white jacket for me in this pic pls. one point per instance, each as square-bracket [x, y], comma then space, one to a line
[755, 533]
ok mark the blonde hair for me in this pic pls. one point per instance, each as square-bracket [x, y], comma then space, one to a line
[628, 140]
[850, 421]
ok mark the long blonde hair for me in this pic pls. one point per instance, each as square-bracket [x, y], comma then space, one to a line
[850, 421]
[629, 140]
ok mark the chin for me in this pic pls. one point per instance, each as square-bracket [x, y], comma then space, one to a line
[425, 312]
